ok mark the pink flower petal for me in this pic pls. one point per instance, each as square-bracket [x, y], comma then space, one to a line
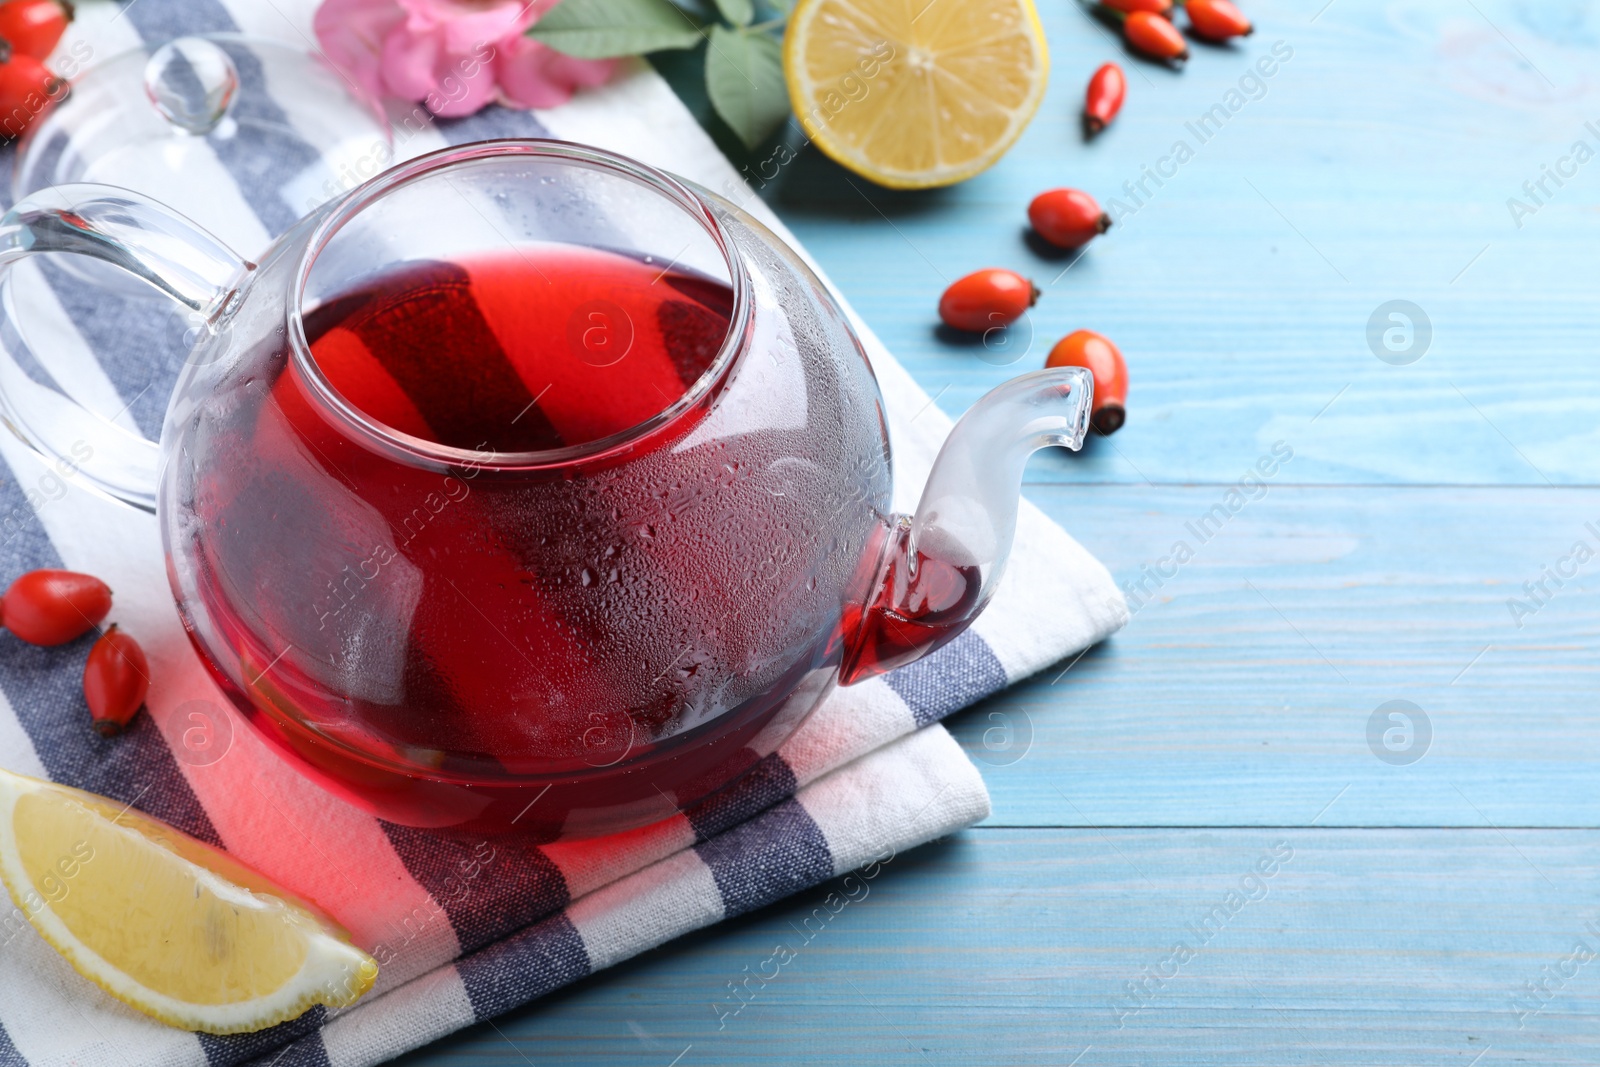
[455, 56]
[582, 72]
[352, 32]
[465, 87]
[466, 26]
[409, 62]
[532, 75]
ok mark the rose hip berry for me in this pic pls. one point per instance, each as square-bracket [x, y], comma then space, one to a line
[1155, 36]
[115, 681]
[1103, 99]
[51, 607]
[1067, 218]
[34, 27]
[986, 299]
[1217, 20]
[1096, 353]
[27, 88]
[1128, 7]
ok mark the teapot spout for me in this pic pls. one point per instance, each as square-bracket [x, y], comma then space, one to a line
[939, 568]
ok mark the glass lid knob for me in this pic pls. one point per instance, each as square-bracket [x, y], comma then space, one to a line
[191, 82]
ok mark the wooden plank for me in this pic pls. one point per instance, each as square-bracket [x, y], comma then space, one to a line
[1376, 166]
[1366, 947]
[1241, 691]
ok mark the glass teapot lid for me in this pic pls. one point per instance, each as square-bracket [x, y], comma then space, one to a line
[172, 122]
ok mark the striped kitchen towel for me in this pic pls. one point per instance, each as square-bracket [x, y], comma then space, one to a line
[463, 931]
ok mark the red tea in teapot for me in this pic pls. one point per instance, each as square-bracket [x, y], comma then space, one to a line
[393, 664]
[521, 351]
[490, 526]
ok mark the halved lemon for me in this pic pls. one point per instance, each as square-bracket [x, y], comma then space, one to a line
[915, 93]
[165, 923]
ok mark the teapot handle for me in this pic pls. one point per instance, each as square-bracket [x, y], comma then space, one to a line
[152, 243]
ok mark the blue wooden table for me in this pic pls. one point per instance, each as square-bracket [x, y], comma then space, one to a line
[1229, 773]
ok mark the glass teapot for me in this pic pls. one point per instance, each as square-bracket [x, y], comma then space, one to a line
[526, 488]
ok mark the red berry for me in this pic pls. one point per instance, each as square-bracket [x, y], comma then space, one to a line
[34, 27]
[1155, 36]
[115, 681]
[1067, 218]
[27, 89]
[1103, 99]
[1128, 7]
[1217, 20]
[986, 299]
[53, 607]
[1094, 352]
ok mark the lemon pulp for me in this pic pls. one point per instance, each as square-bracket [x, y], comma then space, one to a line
[915, 93]
[163, 922]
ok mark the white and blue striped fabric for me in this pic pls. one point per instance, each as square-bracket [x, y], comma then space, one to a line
[464, 931]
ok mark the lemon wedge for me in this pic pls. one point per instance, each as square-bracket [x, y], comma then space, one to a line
[915, 93]
[165, 923]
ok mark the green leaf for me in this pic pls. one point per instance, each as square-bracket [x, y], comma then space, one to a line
[744, 77]
[738, 12]
[603, 29]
